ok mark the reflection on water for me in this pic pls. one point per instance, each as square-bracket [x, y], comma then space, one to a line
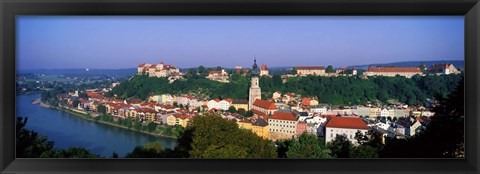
[68, 130]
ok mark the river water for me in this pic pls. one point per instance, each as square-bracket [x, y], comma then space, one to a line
[68, 130]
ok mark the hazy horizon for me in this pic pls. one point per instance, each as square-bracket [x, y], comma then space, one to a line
[247, 67]
[121, 42]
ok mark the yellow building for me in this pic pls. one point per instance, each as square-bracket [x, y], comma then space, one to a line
[150, 116]
[417, 113]
[240, 104]
[260, 127]
[183, 121]
[375, 112]
[155, 98]
[171, 120]
[313, 102]
[244, 125]
[94, 107]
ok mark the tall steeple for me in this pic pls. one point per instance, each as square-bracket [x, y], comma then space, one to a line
[255, 91]
[255, 71]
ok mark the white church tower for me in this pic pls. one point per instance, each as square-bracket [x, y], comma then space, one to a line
[255, 92]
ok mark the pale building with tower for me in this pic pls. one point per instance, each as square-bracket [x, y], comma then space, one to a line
[254, 92]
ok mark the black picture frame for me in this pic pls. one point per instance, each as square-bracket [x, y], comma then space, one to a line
[11, 8]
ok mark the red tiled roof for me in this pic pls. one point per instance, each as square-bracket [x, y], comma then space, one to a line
[217, 100]
[283, 116]
[229, 100]
[259, 113]
[141, 65]
[264, 67]
[93, 94]
[310, 68]
[394, 69]
[215, 72]
[117, 106]
[264, 104]
[346, 122]
[306, 101]
[145, 110]
[181, 116]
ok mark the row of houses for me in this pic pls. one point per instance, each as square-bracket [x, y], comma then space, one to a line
[287, 125]
[437, 69]
[158, 113]
[151, 112]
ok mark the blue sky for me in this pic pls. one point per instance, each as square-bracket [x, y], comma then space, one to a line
[125, 41]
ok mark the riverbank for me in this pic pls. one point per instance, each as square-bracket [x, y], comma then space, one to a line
[112, 124]
[86, 117]
[42, 104]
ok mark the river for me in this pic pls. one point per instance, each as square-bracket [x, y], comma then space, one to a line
[68, 130]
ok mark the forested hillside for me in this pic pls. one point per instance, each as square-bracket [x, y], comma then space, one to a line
[331, 90]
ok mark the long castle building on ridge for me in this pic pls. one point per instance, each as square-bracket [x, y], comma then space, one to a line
[157, 70]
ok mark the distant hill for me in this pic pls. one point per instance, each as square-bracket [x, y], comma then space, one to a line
[456, 63]
[83, 72]
[273, 70]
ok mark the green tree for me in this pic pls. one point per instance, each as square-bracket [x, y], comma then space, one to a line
[75, 103]
[102, 109]
[72, 152]
[150, 150]
[232, 109]
[212, 136]
[201, 70]
[294, 71]
[364, 151]
[30, 144]
[137, 124]
[329, 69]
[423, 68]
[249, 113]
[128, 123]
[242, 111]
[444, 136]
[192, 71]
[227, 151]
[151, 127]
[307, 146]
[282, 147]
[340, 147]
